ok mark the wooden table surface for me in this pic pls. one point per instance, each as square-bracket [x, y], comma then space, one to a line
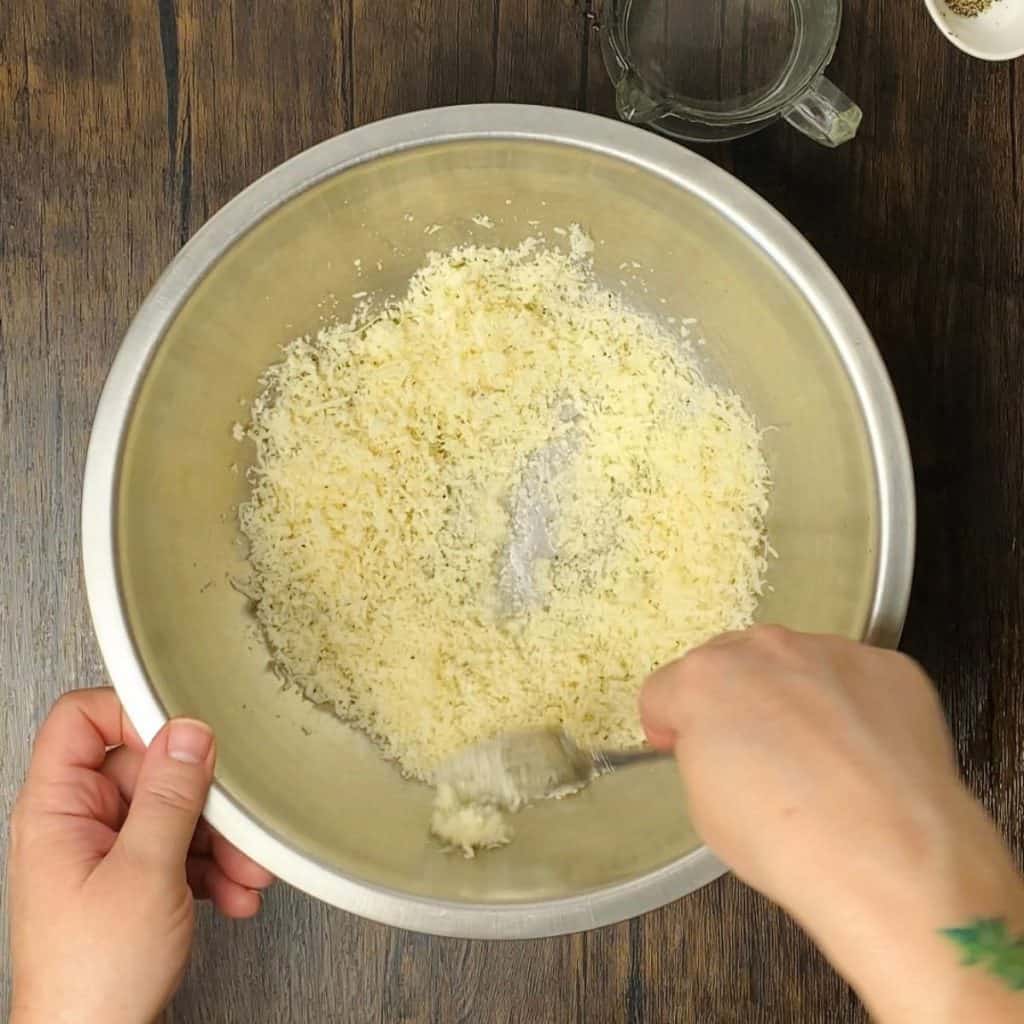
[124, 124]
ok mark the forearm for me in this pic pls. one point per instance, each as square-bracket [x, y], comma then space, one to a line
[889, 935]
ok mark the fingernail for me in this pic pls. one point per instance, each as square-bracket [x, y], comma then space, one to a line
[189, 741]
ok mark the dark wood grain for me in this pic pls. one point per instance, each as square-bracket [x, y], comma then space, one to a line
[126, 123]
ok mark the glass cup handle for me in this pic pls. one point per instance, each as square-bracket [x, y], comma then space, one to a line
[825, 114]
[634, 104]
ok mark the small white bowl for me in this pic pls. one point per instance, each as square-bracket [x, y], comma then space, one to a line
[996, 34]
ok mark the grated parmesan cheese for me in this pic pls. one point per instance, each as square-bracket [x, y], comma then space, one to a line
[395, 455]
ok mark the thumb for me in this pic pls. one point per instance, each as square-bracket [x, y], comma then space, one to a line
[170, 791]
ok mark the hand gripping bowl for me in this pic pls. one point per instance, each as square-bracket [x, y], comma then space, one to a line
[298, 790]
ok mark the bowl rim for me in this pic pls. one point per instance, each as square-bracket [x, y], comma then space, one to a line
[733, 200]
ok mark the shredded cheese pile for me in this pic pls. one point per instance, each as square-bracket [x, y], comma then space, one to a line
[401, 569]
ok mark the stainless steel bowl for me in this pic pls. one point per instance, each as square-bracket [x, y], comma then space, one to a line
[296, 789]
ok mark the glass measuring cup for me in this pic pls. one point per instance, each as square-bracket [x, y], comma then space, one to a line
[712, 70]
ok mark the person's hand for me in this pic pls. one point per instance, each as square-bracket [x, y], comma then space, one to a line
[107, 852]
[822, 772]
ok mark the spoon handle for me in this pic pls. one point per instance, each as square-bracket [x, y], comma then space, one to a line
[609, 760]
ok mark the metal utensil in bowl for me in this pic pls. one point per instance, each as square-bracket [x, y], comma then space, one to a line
[296, 789]
[519, 768]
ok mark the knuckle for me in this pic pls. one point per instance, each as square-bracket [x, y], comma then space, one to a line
[661, 694]
[910, 666]
[787, 649]
[67, 701]
[23, 826]
[696, 664]
[699, 671]
[915, 675]
[898, 665]
[17, 823]
[773, 637]
[170, 794]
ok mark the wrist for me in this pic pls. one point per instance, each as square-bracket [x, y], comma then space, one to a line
[883, 923]
[43, 1011]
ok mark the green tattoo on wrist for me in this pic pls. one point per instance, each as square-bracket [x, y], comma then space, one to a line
[985, 942]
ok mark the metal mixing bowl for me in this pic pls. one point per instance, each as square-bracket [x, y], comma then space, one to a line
[298, 790]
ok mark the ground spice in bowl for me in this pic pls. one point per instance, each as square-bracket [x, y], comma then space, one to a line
[969, 8]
